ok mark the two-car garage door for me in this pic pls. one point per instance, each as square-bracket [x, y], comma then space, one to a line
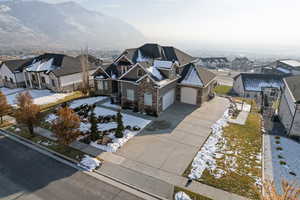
[188, 95]
[168, 99]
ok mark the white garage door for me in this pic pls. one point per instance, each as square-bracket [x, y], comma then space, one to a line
[188, 95]
[168, 99]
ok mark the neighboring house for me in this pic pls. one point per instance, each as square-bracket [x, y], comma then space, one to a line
[11, 75]
[152, 77]
[252, 85]
[241, 64]
[214, 62]
[289, 109]
[283, 67]
[57, 72]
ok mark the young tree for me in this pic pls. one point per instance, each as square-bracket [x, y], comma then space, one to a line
[120, 127]
[27, 113]
[4, 106]
[65, 127]
[94, 126]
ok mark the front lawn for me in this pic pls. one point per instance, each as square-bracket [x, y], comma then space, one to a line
[235, 164]
[72, 96]
[222, 89]
[192, 195]
[106, 120]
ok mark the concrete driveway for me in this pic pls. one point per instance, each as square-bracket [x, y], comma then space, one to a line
[169, 144]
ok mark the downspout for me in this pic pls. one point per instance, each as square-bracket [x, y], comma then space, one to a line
[293, 120]
[157, 101]
[16, 80]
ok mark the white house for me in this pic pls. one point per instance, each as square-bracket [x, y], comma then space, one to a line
[57, 72]
[289, 109]
[11, 75]
[250, 85]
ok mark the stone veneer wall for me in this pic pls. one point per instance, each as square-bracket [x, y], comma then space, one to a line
[147, 86]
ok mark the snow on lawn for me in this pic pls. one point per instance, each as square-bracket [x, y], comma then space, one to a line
[246, 107]
[40, 97]
[205, 158]
[109, 105]
[8, 91]
[89, 101]
[88, 163]
[128, 120]
[182, 196]
[286, 164]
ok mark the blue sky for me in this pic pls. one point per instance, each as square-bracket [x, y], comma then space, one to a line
[224, 22]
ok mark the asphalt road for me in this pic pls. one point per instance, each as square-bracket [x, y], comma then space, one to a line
[28, 175]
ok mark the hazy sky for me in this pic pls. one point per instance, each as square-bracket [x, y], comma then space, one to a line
[257, 23]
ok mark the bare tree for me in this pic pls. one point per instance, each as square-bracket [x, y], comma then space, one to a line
[27, 113]
[289, 191]
[84, 63]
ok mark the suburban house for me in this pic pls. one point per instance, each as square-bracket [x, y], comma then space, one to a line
[152, 77]
[289, 109]
[250, 85]
[57, 72]
[241, 64]
[283, 67]
[214, 62]
[11, 75]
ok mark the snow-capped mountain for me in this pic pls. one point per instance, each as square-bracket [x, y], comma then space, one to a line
[66, 25]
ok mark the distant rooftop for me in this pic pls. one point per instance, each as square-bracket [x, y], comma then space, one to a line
[292, 63]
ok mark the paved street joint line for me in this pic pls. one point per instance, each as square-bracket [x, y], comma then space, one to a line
[108, 179]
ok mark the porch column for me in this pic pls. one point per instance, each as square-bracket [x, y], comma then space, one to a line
[39, 79]
[30, 82]
[25, 79]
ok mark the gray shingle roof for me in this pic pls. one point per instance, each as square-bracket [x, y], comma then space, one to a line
[155, 51]
[65, 65]
[293, 83]
[205, 75]
[16, 65]
[255, 82]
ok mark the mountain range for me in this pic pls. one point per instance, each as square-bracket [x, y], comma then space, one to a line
[63, 25]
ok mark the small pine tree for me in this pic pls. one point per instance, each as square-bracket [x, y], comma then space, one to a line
[120, 127]
[27, 113]
[65, 127]
[94, 126]
[4, 106]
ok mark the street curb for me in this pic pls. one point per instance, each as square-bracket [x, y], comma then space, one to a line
[71, 162]
[12, 136]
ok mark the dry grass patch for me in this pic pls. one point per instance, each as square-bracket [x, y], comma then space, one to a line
[71, 97]
[239, 168]
[222, 89]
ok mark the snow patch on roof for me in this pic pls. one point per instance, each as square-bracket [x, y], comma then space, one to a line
[283, 70]
[293, 63]
[258, 84]
[141, 58]
[154, 71]
[192, 78]
[41, 66]
[162, 64]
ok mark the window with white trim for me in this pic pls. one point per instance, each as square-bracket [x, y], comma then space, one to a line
[130, 94]
[148, 99]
